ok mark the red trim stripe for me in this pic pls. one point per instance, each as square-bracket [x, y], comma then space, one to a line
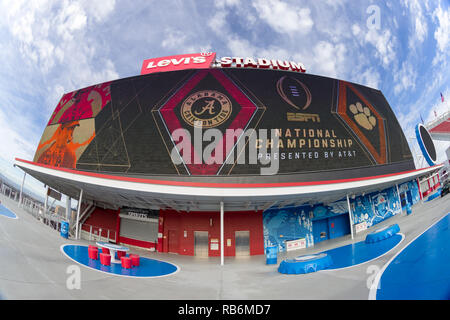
[137, 243]
[216, 184]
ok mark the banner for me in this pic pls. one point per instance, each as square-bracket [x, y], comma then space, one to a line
[179, 62]
[296, 244]
[54, 194]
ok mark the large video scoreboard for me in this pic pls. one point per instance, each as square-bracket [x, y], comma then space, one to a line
[225, 122]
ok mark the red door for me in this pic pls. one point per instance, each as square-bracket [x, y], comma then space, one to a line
[173, 241]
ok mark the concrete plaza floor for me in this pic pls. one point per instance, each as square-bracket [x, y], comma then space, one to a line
[33, 267]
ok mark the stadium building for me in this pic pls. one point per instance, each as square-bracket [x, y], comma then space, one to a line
[223, 157]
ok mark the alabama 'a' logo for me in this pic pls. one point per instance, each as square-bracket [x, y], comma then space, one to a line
[209, 108]
[207, 99]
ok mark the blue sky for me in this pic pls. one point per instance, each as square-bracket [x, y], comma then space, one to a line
[48, 48]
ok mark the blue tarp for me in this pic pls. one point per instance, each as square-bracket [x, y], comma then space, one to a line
[305, 264]
[383, 233]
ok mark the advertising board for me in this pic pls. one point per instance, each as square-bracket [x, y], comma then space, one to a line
[228, 122]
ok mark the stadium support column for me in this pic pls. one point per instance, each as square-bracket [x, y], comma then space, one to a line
[399, 199]
[46, 201]
[350, 214]
[68, 208]
[80, 200]
[420, 190]
[21, 189]
[221, 234]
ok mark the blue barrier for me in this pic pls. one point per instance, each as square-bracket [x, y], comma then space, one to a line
[64, 229]
[408, 209]
[271, 255]
[435, 195]
[305, 264]
[383, 233]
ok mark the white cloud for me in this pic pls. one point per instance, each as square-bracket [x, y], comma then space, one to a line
[421, 28]
[218, 21]
[328, 58]
[384, 43]
[55, 33]
[50, 49]
[70, 19]
[442, 33]
[370, 77]
[356, 29]
[16, 135]
[173, 39]
[418, 21]
[99, 10]
[284, 18]
[241, 47]
[405, 79]
[220, 4]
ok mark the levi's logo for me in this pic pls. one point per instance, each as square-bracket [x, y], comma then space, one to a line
[175, 62]
[179, 62]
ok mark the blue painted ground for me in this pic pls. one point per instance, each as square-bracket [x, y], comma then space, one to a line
[422, 270]
[147, 268]
[6, 212]
[435, 195]
[361, 252]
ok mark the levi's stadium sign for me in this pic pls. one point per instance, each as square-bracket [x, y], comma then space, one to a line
[179, 62]
[207, 60]
[260, 63]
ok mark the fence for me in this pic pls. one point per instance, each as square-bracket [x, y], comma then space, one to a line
[34, 207]
[94, 233]
[37, 209]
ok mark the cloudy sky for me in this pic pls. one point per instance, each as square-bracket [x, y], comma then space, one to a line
[48, 48]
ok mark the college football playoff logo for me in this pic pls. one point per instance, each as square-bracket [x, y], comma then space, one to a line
[208, 108]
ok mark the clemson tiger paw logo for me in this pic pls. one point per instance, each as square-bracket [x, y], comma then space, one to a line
[363, 116]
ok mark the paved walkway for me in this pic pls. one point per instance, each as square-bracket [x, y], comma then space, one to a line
[33, 267]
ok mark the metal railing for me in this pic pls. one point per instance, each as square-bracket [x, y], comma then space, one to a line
[34, 207]
[95, 233]
[439, 119]
[37, 209]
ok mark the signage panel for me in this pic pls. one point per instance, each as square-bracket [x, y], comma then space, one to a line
[54, 194]
[361, 226]
[178, 62]
[139, 213]
[212, 122]
[296, 244]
